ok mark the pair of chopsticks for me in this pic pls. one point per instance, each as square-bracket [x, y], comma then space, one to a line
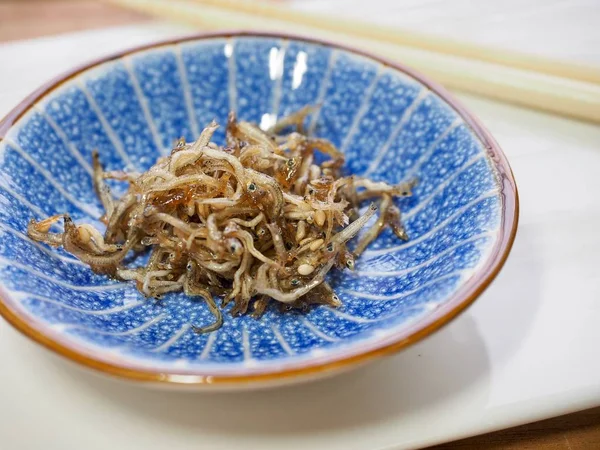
[552, 86]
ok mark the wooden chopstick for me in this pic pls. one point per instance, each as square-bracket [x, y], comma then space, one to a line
[410, 39]
[560, 94]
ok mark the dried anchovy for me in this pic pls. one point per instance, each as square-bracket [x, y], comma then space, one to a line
[256, 221]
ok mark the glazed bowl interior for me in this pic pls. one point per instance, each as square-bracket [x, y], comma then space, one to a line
[391, 125]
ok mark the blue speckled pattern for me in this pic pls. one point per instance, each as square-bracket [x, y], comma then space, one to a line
[390, 127]
[255, 93]
[117, 96]
[349, 83]
[206, 65]
[160, 80]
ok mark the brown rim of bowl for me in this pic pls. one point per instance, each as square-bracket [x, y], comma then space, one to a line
[460, 300]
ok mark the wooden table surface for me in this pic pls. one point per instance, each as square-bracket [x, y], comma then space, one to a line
[23, 19]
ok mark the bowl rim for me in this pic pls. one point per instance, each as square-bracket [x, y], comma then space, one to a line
[457, 303]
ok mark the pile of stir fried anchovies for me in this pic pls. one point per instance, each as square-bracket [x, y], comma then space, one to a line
[254, 221]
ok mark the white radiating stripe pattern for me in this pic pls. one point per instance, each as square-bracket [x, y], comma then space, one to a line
[313, 328]
[90, 312]
[396, 131]
[440, 187]
[229, 51]
[143, 101]
[363, 108]
[412, 243]
[350, 317]
[86, 288]
[427, 263]
[23, 201]
[212, 337]
[246, 344]
[284, 344]
[41, 247]
[86, 208]
[427, 153]
[323, 91]
[65, 139]
[400, 295]
[187, 92]
[129, 332]
[171, 341]
[426, 306]
[110, 132]
[277, 83]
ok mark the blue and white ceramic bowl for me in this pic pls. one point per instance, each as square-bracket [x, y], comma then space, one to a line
[391, 124]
